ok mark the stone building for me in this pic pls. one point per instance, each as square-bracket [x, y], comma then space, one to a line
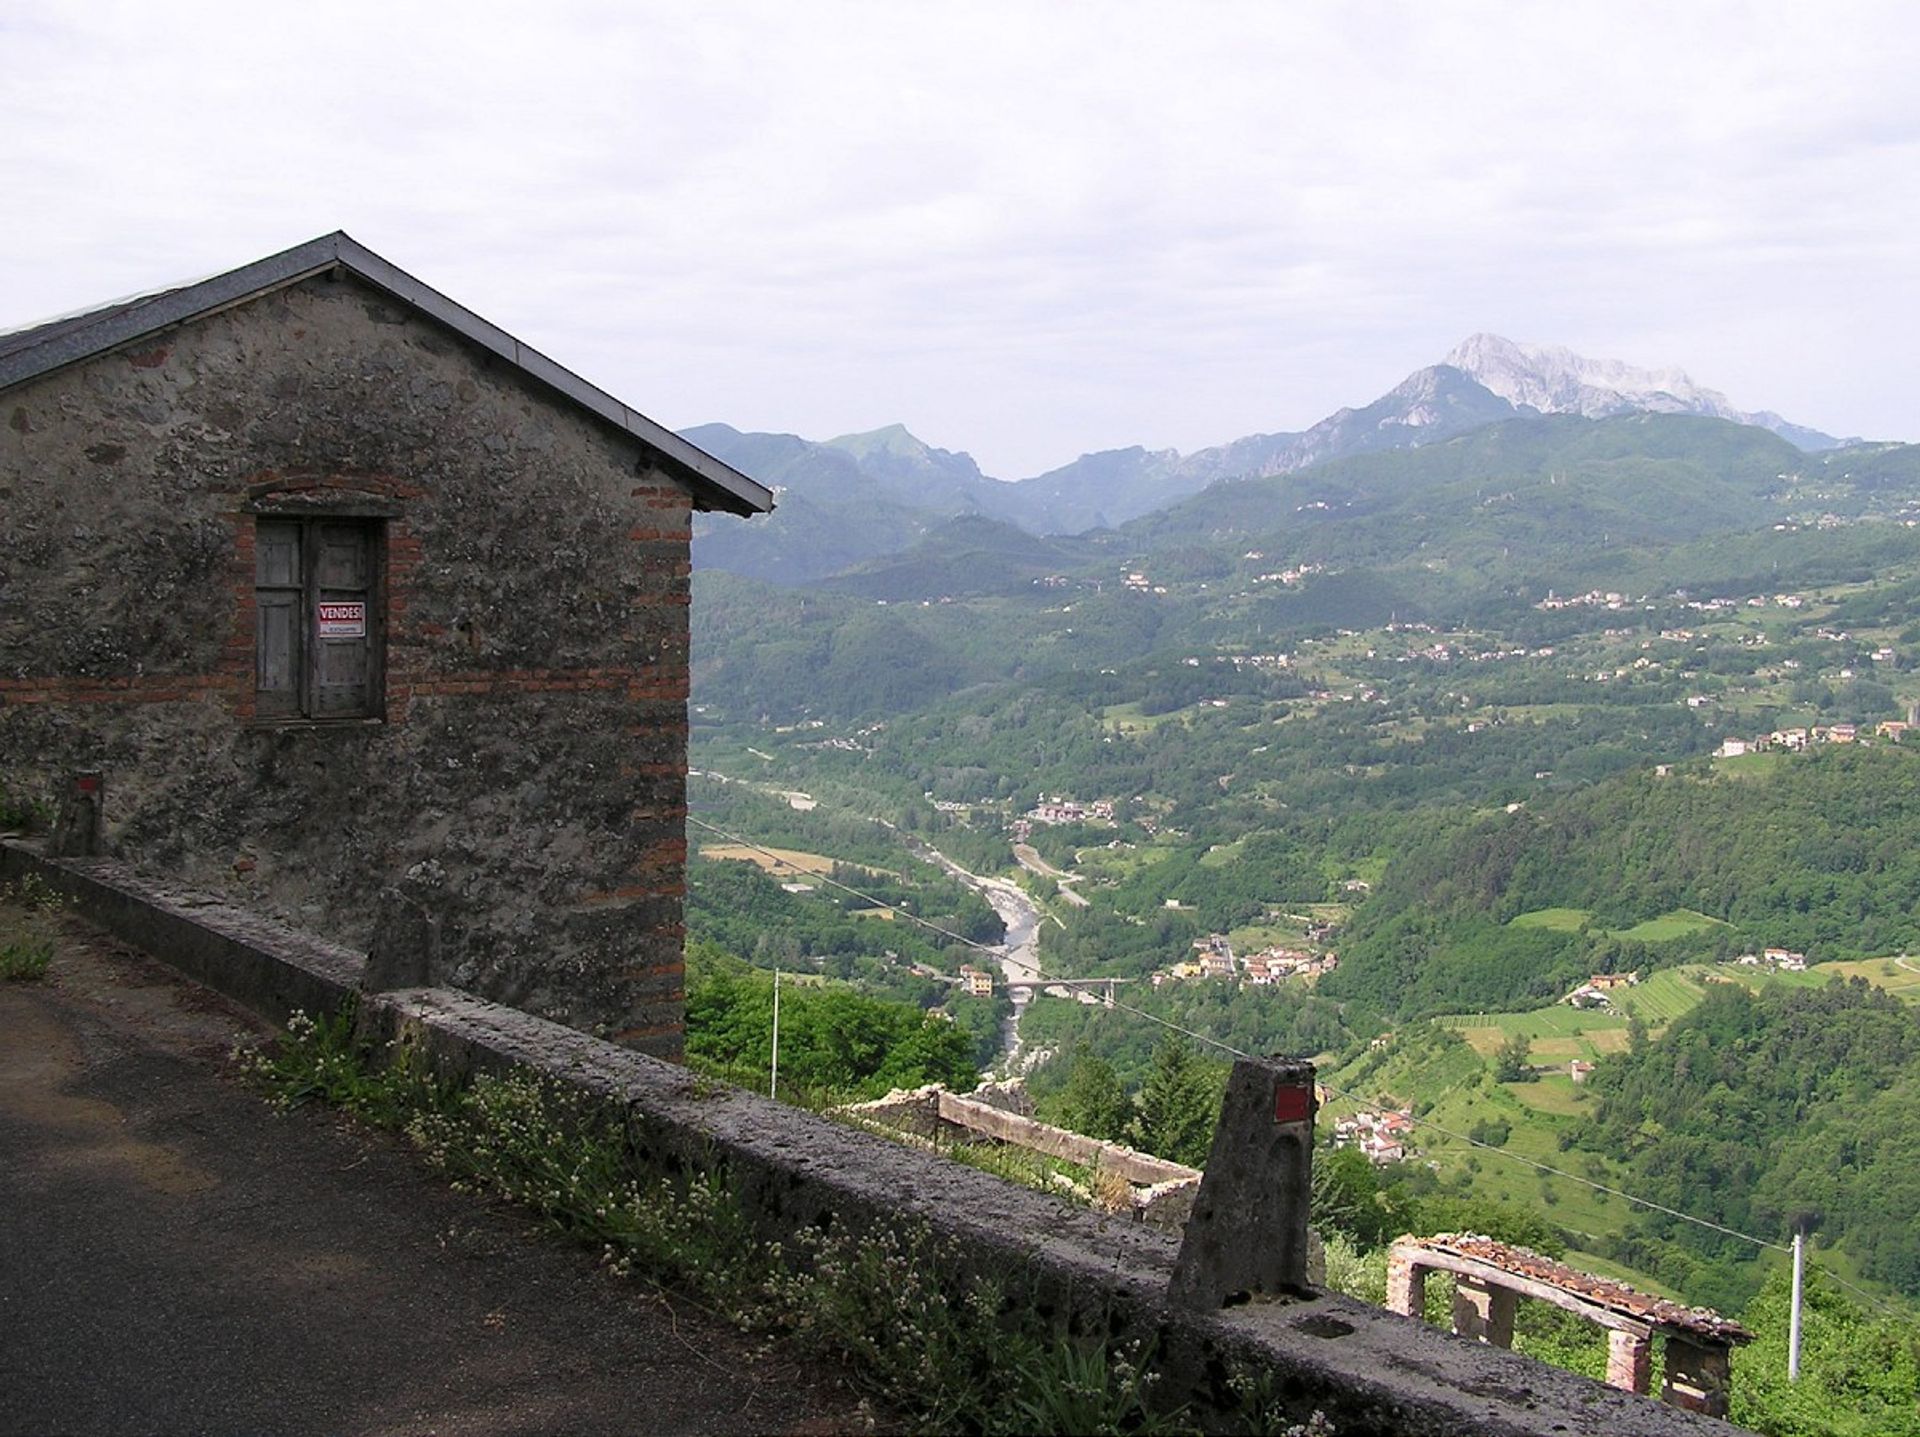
[340, 601]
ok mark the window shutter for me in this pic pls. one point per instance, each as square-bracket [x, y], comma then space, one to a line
[278, 626]
[342, 620]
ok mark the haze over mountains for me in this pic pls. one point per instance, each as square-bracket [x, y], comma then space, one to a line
[861, 497]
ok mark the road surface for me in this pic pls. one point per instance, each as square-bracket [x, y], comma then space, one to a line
[175, 1258]
[1029, 858]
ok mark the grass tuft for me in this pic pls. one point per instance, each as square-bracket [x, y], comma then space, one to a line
[924, 1328]
[27, 910]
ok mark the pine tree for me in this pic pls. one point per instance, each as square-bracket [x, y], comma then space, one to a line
[1177, 1106]
[1094, 1102]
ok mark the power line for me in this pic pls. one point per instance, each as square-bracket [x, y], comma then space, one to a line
[831, 882]
[999, 951]
[1165, 1023]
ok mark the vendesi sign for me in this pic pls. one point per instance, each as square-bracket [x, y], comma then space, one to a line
[343, 619]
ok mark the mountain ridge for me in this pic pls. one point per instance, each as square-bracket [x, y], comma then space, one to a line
[861, 497]
[1552, 379]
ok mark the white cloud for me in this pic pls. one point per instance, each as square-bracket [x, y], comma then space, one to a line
[1024, 230]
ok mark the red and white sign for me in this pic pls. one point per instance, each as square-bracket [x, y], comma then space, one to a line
[343, 619]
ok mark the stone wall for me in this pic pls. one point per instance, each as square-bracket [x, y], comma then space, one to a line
[1372, 1373]
[525, 783]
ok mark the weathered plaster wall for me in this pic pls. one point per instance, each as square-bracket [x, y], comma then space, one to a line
[527, 782]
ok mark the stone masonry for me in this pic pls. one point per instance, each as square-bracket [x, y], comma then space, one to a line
[1491, 1277]
[520, 774]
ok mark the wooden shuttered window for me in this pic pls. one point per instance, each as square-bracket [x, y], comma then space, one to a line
[279, 581]
[317, 629]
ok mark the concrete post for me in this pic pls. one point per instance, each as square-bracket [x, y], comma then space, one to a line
[1483, 1311]
[1699, 1375]
[1629, 1359]
[1799, 1293]
[405, 946]
[1406, 1284]
[77, 827]
[1247, 1237]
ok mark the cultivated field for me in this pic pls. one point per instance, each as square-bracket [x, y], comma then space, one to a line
[1558, 1032]
[782, 861]
[1560, 920]
[1677, 924]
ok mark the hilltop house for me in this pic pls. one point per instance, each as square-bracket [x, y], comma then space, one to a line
[323, 592]
[1381, 1136]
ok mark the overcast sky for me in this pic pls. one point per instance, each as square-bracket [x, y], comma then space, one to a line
[1024, 230]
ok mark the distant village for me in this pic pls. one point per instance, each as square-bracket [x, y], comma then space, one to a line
[1783, 959]
[1608, 599]
[1065, 810]
[1215, 958]
[1381, 1136]
[1794, 740]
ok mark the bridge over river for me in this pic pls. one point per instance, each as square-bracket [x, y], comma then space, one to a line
[1019, 955]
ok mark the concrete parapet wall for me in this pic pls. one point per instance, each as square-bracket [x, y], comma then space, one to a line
[1135, 1167]
[1162, 1192]
[907, 1110]
[1167, 1204]
[1369, 1371]
[270, 968]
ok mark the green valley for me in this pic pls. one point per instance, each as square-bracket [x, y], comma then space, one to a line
[1379, 762]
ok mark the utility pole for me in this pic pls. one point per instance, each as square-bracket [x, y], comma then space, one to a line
[773, 1082]
[1793, 1323]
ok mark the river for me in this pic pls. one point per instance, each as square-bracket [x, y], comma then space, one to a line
[1019, 953]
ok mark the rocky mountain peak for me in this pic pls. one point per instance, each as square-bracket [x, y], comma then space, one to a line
[1554, 380]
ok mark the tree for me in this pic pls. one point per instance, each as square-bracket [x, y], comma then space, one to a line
[1093, 1101]
[1510, 1063]
[1860, 1371]
[1178, 1106]
[1637, 1034]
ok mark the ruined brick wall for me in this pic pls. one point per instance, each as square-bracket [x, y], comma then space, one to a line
[527, 781]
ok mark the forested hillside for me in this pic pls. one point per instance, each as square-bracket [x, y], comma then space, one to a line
[1759, 1112]
[1448, 716]
[1535, 486]
[1815, 853]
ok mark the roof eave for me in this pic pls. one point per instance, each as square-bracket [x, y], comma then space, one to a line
[715, 485]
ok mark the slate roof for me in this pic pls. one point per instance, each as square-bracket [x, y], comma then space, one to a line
[30, 353]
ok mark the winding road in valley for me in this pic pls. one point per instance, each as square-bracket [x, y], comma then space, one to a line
[1030, 859]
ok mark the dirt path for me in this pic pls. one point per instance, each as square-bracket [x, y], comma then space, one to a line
[176, 1258]
[1030, 859]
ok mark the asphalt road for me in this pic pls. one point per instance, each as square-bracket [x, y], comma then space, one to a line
[174, 1258]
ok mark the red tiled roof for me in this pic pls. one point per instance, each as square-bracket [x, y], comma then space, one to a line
[1601, 1291]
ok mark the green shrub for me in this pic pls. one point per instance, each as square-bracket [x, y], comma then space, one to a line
[25, 960]
[27, 906]
[922, 1326]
